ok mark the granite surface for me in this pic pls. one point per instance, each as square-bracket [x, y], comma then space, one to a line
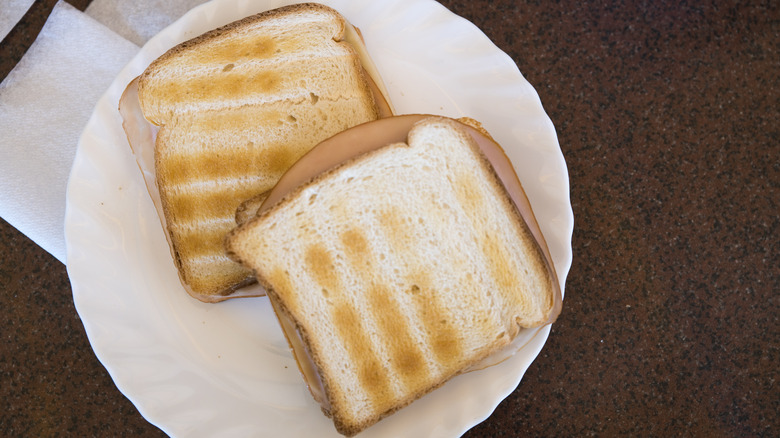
[668, 115]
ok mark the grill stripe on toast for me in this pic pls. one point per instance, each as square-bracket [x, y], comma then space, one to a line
[265, 84]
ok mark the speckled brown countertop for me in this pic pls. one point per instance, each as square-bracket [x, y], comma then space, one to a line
[668, 115]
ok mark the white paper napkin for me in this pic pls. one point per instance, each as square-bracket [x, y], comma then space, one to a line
[48, 98]
[138, 21]
[11, 11]
[44, 104]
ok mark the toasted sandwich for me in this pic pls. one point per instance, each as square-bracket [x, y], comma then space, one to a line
[393, 270]
[222, 117]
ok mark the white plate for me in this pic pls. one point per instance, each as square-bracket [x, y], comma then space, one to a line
[196, 369]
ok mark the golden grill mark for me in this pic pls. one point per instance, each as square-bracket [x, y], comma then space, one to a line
[271, 160]
[320, 264]
[283, 287]
[279, 157]
[371, 373]
[406, 357]
[201, 243]
[497, 256]
[218, 272]
[232, 85]
[468, 193]
[355, 243]
[444, 338]
[235, 51]
[395, 230]
[197, 205]
[205, 166]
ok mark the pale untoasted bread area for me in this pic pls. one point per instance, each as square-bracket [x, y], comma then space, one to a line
[236, 107]
[401, 268]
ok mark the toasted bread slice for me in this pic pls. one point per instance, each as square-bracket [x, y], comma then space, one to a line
[236, 107]
[398, 270]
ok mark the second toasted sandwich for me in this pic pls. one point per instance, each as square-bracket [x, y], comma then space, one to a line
[231, 110]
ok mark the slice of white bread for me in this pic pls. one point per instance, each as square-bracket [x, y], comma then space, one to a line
[236, 107]
[398, 270]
